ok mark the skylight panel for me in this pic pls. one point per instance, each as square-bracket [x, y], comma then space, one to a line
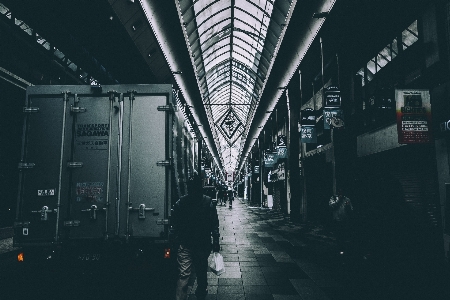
[215, 47]
[224, 56]
[218, 52]
[210, 22]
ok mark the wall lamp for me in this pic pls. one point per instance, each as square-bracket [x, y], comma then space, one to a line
[320, 15]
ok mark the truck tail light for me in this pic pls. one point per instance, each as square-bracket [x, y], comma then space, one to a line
[20, 256]
[167, 253]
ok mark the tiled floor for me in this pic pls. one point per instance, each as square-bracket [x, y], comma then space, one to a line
[259, 264]
[268, 257]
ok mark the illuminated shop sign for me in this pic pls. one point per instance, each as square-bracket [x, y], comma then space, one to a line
[413, 109]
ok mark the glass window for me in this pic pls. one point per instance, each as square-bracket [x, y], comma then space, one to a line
[371, 66]
[3, 9]
[381, 61]
[410, 35]
[361, 73]
[394, 49]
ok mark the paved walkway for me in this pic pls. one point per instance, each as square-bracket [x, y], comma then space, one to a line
[268, 257]
[263, 262]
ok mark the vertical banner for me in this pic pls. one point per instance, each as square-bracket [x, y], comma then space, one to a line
[413, 109]
[281, 147]
[308, 133]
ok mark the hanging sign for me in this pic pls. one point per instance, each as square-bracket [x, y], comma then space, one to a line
[308, 117]
[281, 141]
[281, 171]
[333, 118]
[256, 170]
[413, 110]
[332, 96]
[308, 134]
[230, 177]
[270, 158]
[282, 152]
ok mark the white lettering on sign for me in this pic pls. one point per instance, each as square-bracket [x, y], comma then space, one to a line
[43, 193]
[445, 126]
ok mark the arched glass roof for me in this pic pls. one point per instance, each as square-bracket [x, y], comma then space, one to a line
[233, 44]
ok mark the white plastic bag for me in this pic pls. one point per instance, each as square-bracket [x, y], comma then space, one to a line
[216, 264]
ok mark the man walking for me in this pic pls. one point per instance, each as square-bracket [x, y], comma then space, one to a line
[194, 221]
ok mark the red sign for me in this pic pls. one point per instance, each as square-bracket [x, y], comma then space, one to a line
[413, 110]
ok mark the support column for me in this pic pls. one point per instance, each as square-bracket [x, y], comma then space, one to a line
[292, 168]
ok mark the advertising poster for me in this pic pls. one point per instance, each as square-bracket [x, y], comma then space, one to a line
[413, 109]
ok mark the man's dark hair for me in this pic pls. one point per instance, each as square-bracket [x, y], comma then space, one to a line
[194, 183]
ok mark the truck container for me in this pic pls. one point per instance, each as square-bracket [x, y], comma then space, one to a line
[100, 168]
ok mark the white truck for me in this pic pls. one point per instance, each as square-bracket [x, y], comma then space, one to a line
[100, 168]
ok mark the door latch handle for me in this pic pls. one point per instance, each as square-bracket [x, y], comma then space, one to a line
[44, 212]
[93, 211]
[141, 210]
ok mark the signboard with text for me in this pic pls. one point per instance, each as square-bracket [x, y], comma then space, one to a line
[282, 152]
[333, 118]
[332, 97]
[308, 134]
[308, 117]
[281, 141]
[270, 158]
[413, 109]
